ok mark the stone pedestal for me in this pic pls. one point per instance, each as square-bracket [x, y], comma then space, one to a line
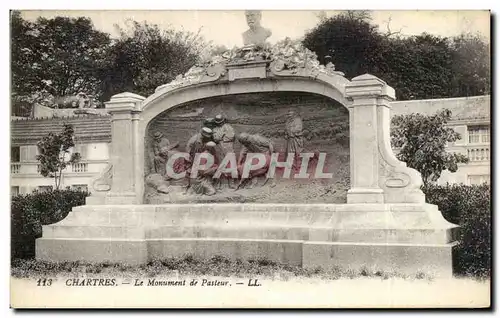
[405, 238]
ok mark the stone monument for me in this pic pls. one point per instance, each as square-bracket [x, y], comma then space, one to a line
[382, 224]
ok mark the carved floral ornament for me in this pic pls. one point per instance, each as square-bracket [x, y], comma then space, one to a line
[288, 56]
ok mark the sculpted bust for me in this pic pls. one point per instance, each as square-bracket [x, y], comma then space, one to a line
[256, 35]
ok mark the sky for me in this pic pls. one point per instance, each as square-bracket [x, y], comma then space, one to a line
[225, 27]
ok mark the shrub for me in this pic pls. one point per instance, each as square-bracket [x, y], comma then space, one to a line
[468, 207]
[30, 211]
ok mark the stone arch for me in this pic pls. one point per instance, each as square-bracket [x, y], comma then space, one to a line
[164, 100]
[168, 99]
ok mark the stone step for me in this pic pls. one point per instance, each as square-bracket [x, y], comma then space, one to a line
[257, 207]
[246, 231]
[365, 217]
[389, 257]
[91, 232]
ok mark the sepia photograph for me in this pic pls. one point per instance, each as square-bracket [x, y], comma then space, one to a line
[250, 159]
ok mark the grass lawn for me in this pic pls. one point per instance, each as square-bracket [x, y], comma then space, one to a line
[191, 266]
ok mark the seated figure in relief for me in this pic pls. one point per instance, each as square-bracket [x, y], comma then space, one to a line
[256, 35]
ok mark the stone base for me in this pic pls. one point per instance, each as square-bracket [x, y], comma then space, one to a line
[405, 238]
[127, 251]
[365, 196]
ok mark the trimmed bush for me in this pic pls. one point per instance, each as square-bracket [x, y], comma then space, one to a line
[30, 211]
[468, 207]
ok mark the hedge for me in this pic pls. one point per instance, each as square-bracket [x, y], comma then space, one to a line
[30, 211]
[470, 208]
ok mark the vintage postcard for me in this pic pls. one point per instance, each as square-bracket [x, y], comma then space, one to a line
[250, 159]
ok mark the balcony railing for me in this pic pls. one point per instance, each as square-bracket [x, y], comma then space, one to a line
[33, 168]
[479, 153]
[15, 168]
[79, 167]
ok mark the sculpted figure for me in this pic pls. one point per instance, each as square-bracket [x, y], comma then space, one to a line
[80, 100]
[196, 143]
[159, 154]
[256, 35]
[330, 67]
[294, 133]
[223, 136]
[203, 183]
[254, 144]
[209, 123]
[294, 136]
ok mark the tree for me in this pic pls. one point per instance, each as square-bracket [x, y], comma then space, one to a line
[357, 15]
[352, 41]
[24, 88]
[471, 65]
[421, 141]
[418, 67]
[21, 54]
[55, 154]
[146, 56]
[56, 57]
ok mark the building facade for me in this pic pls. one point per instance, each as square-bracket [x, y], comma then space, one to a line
[470, 117]
[92, 141]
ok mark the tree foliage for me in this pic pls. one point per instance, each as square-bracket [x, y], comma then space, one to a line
[468, 206]
[55, 59]
[55, 153]
[146, 56]
[471, 65]
[351, 41]
[421, 142]
[28, 212]
[61, 56]
[418, 67]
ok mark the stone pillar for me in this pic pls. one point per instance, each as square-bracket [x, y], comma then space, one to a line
[124, 109]
[363, 92]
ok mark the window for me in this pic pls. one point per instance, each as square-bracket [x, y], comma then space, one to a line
[28, 153]
[479, 134]
[15, 154]
[45, 188]
[79, 187]
[478, 179]
[14, 191]
[82, 150]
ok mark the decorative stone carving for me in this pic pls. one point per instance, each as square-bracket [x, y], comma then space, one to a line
[400, 183]
[216, 71]
[158, 183]
[277, 65]
[103, 182]
[285, 58]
